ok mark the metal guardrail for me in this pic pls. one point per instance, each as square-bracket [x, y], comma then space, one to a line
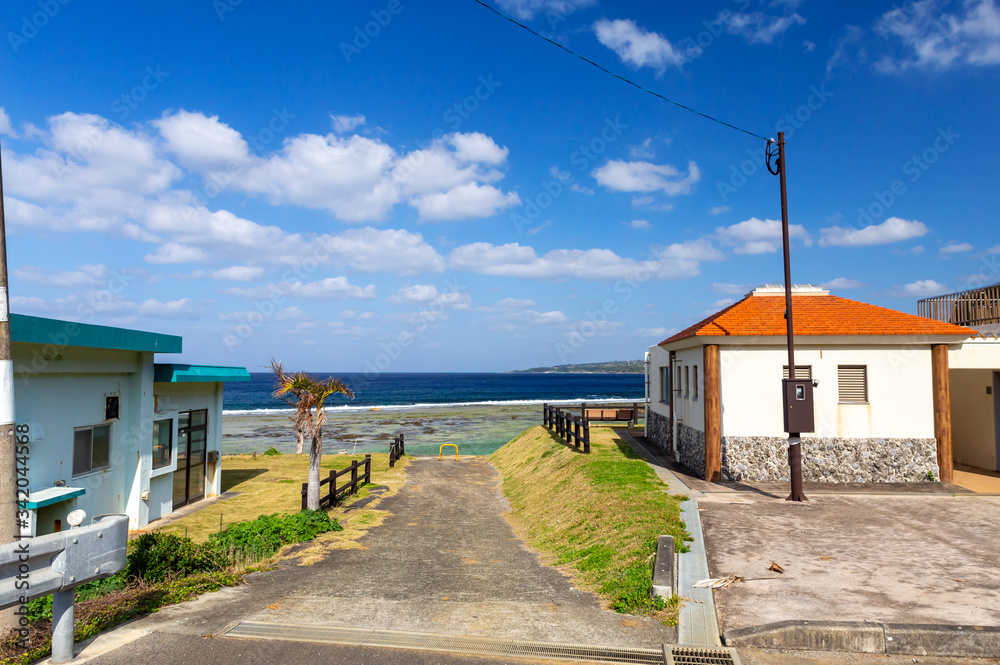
[58, 563]
[441, 450]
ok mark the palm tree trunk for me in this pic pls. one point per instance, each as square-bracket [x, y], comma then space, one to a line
[300, 441]
[315, 453]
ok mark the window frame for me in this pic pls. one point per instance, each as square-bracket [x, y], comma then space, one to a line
[91, 469]
[687, 381]
[172, 465]
[840, 396]
[665, 386]
[694, 382]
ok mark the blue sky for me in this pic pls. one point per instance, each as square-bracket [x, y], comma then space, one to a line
[407, 186]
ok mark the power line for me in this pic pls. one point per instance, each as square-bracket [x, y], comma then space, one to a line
[619, 76]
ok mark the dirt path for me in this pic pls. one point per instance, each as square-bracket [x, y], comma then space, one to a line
[446, 561]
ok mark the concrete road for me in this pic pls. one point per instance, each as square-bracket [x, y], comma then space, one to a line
[888, 559]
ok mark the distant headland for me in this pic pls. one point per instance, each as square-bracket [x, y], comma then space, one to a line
[611, 367]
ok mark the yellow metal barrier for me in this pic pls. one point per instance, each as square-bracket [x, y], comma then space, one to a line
[441, 449]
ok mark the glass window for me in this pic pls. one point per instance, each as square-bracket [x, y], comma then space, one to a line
[91, 449]
[163, 450]
[694, 383]
[687, 381]
[664, 384]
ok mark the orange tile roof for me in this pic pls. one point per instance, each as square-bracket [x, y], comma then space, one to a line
[814, 315]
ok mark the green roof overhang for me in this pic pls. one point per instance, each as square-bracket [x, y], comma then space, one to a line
[179, 373]
[38, 330]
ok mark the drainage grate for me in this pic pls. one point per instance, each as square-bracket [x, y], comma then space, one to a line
[676, 655]
[486, 646]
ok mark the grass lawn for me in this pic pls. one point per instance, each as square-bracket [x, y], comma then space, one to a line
[597, 515]
[273, 484]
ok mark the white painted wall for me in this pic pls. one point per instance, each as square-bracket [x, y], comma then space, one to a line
[657, 358]
[899, 390]
[975, 354]
[61, 389]
[688, 409]
[172, 398]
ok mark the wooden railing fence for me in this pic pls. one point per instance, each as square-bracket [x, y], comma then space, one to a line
[336, 493]
[396, 450]
[570, 428]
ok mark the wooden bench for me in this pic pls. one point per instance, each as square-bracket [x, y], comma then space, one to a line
[613, 414]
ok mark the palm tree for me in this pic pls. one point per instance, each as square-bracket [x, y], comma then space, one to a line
[302, 418]
[315, 392]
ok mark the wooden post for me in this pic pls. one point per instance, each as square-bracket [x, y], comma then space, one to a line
[305, 490]
[713, 422]
[354, 478]
[576, 432]
[586, 438]
[402, 443]
[333, 488]
[942, 410]
[368, 467]
[635, 416]
[583, 410]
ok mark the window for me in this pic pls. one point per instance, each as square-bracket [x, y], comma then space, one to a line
[91, 449]
[694, 382]
[801, 372]
[687, 380]
[852, 383]
[163, 448]
[665, 384]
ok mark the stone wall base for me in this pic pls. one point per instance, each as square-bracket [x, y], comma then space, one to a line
[658, 431]
[691, 449]
[833, 460]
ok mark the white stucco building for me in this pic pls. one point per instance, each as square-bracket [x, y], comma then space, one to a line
[109, 430]
[881, 377]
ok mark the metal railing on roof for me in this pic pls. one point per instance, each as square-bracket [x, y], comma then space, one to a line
[967, 308]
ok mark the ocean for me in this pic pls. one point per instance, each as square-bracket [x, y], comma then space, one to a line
[479, 412]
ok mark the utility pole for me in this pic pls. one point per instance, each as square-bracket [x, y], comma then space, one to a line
[794, 438]
[8, 468]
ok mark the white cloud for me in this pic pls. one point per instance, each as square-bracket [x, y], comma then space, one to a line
[239, 273]
[934, 39]
[675, 261]
[509, 305]
[6, 129]
[917, 250]
[636, 46]
[891, 230]
[110, 308]
[759, 236]
[843, 283]
[639, 224]
[993, 250]
[655, 333]
[625, 176]
[527, 9]
[924, 288]
[346, 123]
[200, 142]
[84, 276]
[956, 248]
[848, 49]
[466, 201]
[758, 27]
[331, 288]
[732, 289]
[416, 293]
[718, 210]
[477, 147]
[358, 315]
[642, 151]
[172, 253]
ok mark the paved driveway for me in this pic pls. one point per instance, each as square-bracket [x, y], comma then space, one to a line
[902, 559]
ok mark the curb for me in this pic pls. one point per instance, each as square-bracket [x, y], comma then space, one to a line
[867, 637]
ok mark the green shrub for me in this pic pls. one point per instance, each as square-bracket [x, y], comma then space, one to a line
[271, 452]
[156, 556]
[262, 537]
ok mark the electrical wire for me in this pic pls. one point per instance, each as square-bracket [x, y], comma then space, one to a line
[619, 76]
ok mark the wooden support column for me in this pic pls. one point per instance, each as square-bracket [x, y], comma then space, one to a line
[942, 409]
[713, 415]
